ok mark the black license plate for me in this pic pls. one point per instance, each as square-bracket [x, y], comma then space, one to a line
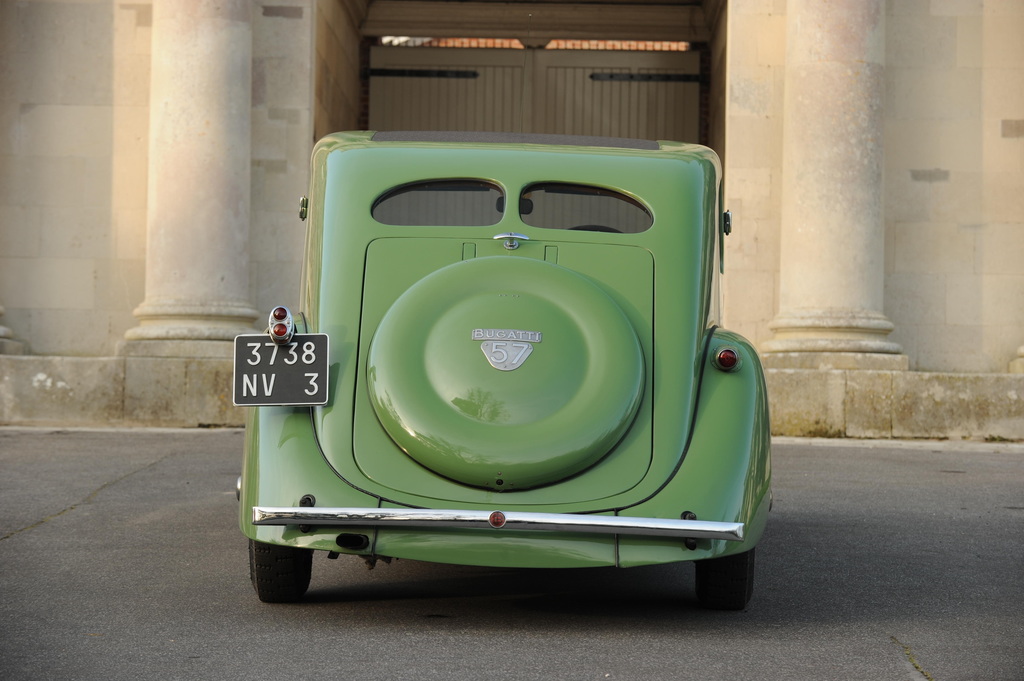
[268, 374]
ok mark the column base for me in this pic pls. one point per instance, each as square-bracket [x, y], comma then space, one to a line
[11, 347]
[833, 339]
[172, 321]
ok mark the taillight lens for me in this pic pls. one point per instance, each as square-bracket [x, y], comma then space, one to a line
[726, 359]
[496, 519]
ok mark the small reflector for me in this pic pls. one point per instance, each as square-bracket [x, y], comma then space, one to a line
[727, 359]
[496, 519]
[280, 313]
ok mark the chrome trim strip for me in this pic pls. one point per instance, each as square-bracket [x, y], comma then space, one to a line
[514, 520]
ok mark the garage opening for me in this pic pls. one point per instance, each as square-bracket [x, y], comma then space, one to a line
[640, 89]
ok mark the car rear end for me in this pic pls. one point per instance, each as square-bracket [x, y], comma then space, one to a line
[524, 367]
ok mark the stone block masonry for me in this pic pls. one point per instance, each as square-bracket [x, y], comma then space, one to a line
[182, 392]
[896, 404]
[190, 392]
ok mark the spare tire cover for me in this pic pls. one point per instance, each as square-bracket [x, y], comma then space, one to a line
[505, 372]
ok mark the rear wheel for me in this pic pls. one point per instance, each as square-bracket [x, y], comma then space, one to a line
[280, 574]
[725, 583]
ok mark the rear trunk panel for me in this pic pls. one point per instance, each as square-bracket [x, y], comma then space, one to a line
[625, 274]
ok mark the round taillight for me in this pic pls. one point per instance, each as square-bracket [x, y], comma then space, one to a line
[496, 519]
[726, 359]
[280, 330]
[280, 313]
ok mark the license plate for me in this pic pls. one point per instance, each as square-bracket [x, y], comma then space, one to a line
[268, 374]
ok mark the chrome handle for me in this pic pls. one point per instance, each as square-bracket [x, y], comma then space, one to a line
[511, 239]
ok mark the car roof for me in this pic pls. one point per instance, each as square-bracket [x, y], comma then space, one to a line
[514, 138]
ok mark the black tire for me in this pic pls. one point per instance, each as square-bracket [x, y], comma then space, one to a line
[280, 574]
[725, 583]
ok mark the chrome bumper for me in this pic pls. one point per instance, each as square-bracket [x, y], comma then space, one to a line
[510, 520]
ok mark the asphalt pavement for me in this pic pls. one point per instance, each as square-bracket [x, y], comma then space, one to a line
[121, 558]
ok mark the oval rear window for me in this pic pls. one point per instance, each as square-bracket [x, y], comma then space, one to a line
[436, 203]
[559, 205]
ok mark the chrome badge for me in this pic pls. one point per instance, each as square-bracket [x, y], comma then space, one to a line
[506, 349]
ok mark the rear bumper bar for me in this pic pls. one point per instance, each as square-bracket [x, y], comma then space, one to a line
[510, 520]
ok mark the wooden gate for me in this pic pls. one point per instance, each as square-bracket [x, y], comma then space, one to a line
[647, 95]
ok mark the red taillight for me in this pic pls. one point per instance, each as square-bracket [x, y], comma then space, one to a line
[726, 359]
[496, 519]
[280, 326]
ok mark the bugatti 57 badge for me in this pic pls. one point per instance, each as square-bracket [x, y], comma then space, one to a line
[506, 349]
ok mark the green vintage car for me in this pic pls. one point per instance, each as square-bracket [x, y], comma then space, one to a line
[507, 353]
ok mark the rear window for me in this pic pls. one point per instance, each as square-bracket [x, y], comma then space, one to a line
[556, 205]
[454, 203]
[478, 203]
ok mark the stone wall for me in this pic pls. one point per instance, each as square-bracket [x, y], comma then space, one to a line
[75, 134]
[955, 175]
[954, 178]
[753, 163]
[336, 57]
[74, 112]
[196, 392]
[74, 157]
[896, 404]
[282, 137]
[717, 16]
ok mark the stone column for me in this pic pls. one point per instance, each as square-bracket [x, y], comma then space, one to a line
[833, 232]
[197, 256]
[4, 331]
[9, 346]
[1017, 365]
